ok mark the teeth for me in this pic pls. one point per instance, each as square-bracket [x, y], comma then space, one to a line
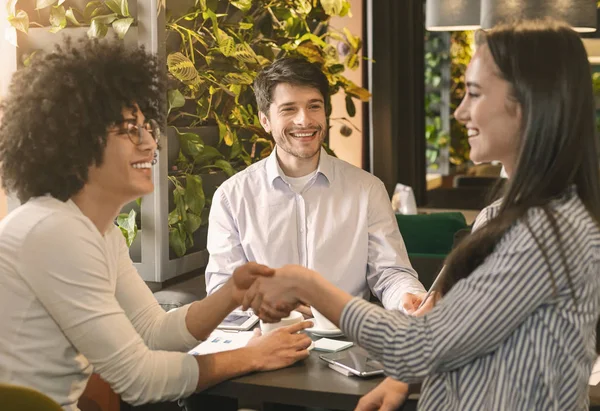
[142, 165]
[472, 133]
[303, 134]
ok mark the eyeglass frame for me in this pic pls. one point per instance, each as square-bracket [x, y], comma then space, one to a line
[154, 131]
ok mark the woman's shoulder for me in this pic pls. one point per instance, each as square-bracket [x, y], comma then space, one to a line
[46, 219]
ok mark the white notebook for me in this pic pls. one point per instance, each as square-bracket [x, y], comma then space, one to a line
[221, 340]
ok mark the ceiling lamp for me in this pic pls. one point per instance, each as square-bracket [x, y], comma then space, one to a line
[579, 14]
[452, 15]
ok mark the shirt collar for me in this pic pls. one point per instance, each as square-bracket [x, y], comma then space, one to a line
[325, 166]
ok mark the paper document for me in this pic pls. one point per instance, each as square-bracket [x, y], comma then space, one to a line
[221, 340]
[595, 377]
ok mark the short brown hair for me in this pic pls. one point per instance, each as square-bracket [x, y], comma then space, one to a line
[291, 70]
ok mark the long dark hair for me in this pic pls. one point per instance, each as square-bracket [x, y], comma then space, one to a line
[547, 66]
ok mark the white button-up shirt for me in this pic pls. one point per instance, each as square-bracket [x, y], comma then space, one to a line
[341, 225]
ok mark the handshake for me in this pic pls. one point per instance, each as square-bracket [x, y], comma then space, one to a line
[271, 293]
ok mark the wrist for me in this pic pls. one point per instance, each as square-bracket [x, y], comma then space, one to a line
[255, 359]
[305, 285]
[230, 295]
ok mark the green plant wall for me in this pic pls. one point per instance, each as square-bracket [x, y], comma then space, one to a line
[220, 46]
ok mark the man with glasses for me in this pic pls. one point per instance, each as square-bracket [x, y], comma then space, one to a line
[78, 140]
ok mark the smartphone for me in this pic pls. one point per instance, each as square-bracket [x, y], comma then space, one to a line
[356, 361]
[239, 321]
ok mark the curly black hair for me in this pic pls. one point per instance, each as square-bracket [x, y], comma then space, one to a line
[58, 109]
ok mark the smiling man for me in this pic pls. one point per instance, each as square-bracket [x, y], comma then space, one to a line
[303, 206]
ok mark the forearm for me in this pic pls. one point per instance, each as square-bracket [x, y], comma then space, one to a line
[317, 292]
[215, 368]
[205, 315]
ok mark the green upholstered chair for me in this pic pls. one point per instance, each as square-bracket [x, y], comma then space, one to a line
[429, 239]
[16, 398]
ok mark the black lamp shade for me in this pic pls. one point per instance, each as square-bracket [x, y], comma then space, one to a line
[579, 14]
[452, 15]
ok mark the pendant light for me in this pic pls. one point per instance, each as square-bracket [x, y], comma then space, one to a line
[579, 14]
[452, 15]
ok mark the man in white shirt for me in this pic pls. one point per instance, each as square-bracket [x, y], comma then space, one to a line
[303, 206]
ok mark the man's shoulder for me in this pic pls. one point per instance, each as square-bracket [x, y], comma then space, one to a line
[349, 172]
[253, 177]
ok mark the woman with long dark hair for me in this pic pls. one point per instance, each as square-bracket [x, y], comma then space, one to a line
[516, 327]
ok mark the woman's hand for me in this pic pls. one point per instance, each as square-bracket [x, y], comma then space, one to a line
[273, 297]
[387, 396]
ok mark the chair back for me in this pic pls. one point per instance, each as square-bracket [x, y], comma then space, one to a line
[17, 398]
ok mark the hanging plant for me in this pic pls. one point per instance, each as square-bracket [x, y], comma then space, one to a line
[97, 15]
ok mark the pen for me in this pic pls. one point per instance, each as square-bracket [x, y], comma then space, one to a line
[432, 287]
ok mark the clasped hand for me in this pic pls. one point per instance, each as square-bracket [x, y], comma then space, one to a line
[272, 294]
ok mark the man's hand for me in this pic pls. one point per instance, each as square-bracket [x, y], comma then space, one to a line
[244, 276]
[274, 297]
[304, 310]
[411, 302]
[387, 396]
[280, 348]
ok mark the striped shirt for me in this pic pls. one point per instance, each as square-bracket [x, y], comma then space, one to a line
[502, 338]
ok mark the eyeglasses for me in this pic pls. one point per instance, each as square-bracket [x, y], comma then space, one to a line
[136, 132]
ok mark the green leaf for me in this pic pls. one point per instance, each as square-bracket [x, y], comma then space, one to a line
[207, 155]
[176, 99]
[121, 26]
[236, 148]
[58, 18]
[192, 223]
[126, 223]
[174, 217]
[97, 29]
[182, 68]
[194, 193]
[177, 241]
[243, 5]
[350, 107]
[91, 9]
[226, 167]
[71, 17]
[125, 8]
[113, 5]
[191, 144]
[20, 21]
[42, 4]
[332, 7]
[303, 7]
[105, 18]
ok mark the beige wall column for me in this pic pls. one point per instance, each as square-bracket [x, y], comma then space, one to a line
[349, 148]
[9, 65]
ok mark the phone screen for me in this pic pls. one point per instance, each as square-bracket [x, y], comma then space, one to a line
[235, 319]
[356, 361]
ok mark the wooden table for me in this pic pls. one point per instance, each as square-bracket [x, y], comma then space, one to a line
[309, 383]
